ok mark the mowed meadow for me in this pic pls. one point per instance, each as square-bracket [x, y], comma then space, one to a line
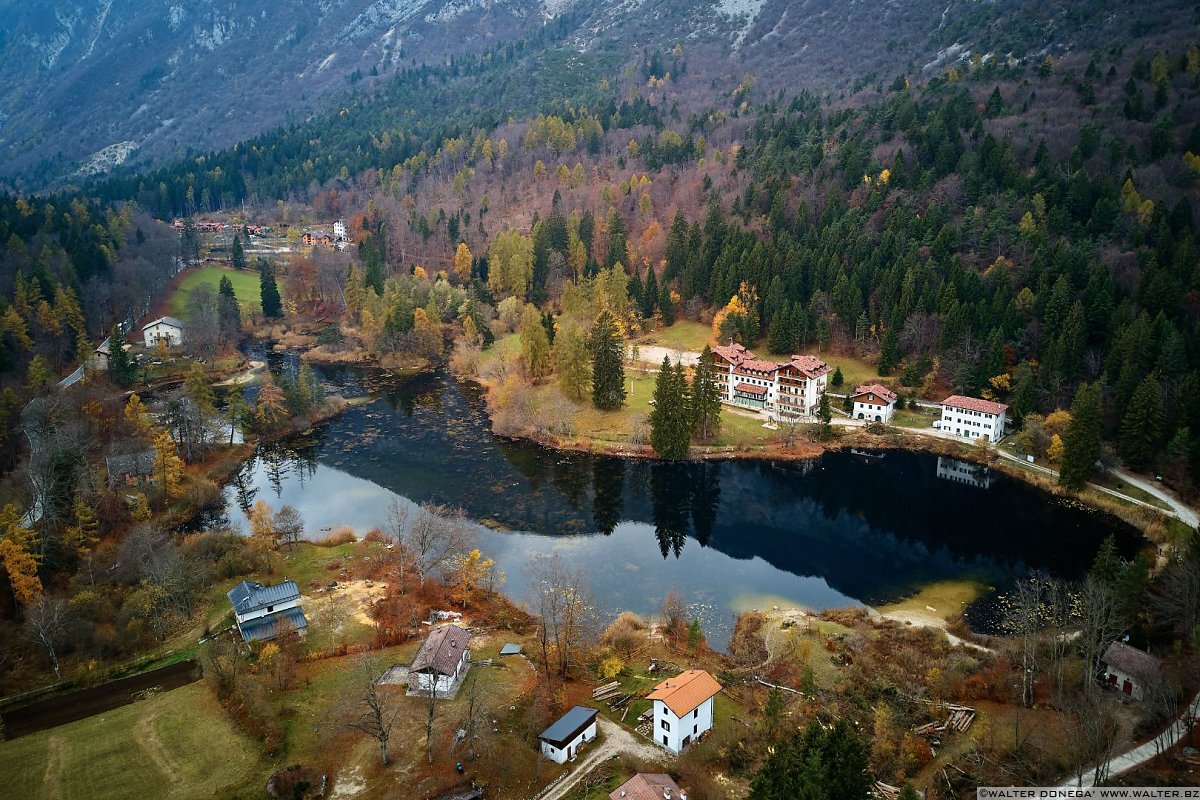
[176, 744]
[245, 287]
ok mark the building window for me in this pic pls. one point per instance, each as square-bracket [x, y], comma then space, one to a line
[666, 726]
[665, 739]
[696, 714]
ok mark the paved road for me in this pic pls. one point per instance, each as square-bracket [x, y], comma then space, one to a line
[616, 740]
[1136, 756]
[1183, 512]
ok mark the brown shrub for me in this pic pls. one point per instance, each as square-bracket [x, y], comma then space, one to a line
[343, 534]
[626, 635]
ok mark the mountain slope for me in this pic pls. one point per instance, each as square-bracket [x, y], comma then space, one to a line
[143, 80]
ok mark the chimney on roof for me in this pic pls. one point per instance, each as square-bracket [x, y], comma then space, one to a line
[666, 793]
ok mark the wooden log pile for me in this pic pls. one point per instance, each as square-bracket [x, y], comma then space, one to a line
[958, 719]
[885, 791]
[607, 691]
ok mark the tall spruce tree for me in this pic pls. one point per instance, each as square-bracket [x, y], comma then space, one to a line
[120, 368]
[608, 367]
[1082, 440]
[816, 764]
[706, 398]
[670, 423]
[1142, 425]
[272, 304]
[237, 256]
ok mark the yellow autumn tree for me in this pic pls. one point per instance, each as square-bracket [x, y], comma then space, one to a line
[270, 409]
[1055, 451]
[168, 466]
[21, 569]
[136, 416]
[462, 262]
[727, 322]
[470, 570]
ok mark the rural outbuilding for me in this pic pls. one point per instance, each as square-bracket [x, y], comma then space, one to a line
[441, 663]
[510, 649]
[1129, 670]
[648, 786]
[562, 740]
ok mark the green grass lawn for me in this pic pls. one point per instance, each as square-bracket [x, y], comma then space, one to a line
[683, 335]
[915, 419]
[177, 744]
[245, 287]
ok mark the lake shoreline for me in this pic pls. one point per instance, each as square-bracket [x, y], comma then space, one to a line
[1146, 520]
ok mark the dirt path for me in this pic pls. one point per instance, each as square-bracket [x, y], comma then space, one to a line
[616, 740]
[1186, 514]
[930, 621]
[254, 371]
[653, 354]
[55, 747]
[148, 739]
[1136, 756]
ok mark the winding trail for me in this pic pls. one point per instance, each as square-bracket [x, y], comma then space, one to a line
[1140, 754]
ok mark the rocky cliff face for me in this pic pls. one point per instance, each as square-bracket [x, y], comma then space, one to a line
[88, 84]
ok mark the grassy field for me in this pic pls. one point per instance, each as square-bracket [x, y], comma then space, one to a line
[245, 287]
[915, 418]
[683, 335]
[177, 744]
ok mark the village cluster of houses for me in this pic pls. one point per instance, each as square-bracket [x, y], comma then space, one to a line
[339, 238]
[792, 390]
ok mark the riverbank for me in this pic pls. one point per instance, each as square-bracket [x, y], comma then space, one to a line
[305, 339]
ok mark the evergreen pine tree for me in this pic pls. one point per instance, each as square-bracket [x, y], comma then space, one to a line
[706, 398]
[120, 368]
[666, 306]
[837, 379]
[237, 256]
[229, 314]
[1142, 425]
[272, 304]
[889, 353]
[608, 367]
[649, 298]
[670, 426]
[1082, 440]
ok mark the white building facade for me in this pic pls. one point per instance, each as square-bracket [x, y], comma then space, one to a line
[788, 389]
[563, 740]
[874, 403]
[167, 330]
[972, 418]
[683, 709]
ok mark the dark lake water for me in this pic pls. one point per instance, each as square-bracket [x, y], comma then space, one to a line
[842, 530]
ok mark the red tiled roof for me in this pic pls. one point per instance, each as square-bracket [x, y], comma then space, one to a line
[442, 651]
[686, 691]
[760, 365]
[733, 352]
[811, 366]
[749, 389]
[974, 404]
[645, 786]
[877, 389]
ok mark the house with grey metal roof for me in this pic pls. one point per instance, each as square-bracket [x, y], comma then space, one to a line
[441, 663]
[562, 740]
[264, 612]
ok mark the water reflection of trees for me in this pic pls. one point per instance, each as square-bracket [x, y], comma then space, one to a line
[608, 489]
[684, 498]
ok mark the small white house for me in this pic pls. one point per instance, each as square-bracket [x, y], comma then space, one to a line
[873, 402]
[264, 612]
[167, 330]
[1129, 670]
[972, 418]
[683, 708]
[441, 663]
[562, 740]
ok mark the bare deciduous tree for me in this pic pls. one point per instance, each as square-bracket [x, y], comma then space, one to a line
[367, 710]
[45, 624]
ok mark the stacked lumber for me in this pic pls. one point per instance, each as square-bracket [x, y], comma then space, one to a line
[607, 691]
[958, 719]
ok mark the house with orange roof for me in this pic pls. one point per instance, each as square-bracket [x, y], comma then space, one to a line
[874, 402]
[779, 389]
[683, 708]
